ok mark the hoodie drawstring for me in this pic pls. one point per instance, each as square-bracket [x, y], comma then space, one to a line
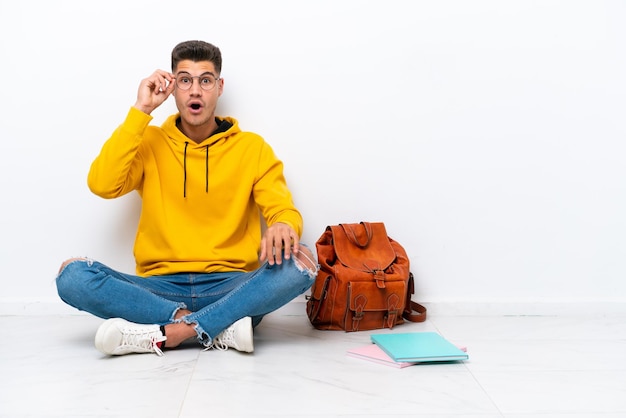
[185, 171]
[206, 170]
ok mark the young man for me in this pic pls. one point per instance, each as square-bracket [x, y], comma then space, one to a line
[203, 268]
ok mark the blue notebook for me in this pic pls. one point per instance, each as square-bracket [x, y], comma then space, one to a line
[418, 347]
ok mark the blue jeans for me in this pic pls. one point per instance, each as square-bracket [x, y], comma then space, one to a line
[216, 300]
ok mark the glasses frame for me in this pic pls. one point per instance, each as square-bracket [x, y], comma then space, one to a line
[199, 77]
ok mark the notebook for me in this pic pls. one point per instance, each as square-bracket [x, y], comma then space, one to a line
[374, 353]
[418, 347]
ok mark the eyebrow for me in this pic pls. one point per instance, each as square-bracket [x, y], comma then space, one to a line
[203, 74]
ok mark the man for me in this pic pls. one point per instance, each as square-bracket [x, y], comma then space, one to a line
[203, 268]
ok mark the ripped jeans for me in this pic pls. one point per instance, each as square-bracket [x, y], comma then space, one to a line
[216, 300]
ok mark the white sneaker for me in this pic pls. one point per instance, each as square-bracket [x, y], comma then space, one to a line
[237, 336]
[118, 336]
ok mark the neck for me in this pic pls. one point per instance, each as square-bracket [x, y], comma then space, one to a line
[197, 133]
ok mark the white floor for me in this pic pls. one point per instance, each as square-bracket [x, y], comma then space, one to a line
[537, 366]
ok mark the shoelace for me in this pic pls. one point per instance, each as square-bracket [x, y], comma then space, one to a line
[146, 341]
[223, 340]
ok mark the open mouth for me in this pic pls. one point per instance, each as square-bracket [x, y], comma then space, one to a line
[195, 106]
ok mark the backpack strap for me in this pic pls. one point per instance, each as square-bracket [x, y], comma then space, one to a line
[413, 311]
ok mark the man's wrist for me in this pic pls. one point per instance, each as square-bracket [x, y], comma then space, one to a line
[145, 109]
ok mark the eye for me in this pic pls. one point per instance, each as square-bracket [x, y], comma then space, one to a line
[207, 81]
[184, 80]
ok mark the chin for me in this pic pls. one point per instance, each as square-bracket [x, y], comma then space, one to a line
[197, 120]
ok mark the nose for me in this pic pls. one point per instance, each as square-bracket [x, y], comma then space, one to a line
[195, 87]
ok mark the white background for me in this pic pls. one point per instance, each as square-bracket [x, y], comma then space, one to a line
[487, 135]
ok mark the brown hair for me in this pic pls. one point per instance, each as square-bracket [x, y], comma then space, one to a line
[197, 51]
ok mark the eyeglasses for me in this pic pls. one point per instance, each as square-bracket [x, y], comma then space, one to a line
[185, 81]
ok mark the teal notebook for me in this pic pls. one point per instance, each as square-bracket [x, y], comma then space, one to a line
[418, 347]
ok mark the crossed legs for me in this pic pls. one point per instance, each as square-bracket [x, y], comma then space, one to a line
[109, 294]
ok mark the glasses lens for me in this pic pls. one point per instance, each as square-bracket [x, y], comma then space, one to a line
[207, 83]
[184, 82]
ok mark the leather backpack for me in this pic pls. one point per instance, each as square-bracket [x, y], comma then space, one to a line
[364, 281]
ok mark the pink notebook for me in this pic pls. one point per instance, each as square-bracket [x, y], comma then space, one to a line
[374, 353]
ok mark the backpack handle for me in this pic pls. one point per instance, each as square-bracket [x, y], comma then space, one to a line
[352, 235]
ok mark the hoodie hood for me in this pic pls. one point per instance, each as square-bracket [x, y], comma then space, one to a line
[226, 127]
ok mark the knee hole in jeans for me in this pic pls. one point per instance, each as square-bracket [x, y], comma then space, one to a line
[304, 260]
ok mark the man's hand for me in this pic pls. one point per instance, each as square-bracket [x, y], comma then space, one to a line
[154, 90]
[278, 238]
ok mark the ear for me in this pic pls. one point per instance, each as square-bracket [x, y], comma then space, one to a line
[220, 87]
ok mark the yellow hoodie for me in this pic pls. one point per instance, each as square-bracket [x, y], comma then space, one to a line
[201, 203]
